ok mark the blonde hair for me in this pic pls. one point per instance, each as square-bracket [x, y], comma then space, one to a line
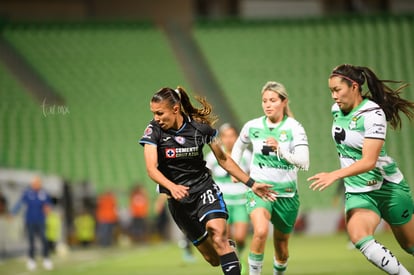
[281, 91]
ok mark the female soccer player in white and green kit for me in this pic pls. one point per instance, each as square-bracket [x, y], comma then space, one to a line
[374, 186]
[280, 148]
[234, 193]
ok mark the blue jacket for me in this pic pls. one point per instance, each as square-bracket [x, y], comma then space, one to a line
[35, 202]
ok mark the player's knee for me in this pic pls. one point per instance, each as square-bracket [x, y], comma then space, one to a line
[213, 231]
[260, 230]
[217, 235]
[260, 233]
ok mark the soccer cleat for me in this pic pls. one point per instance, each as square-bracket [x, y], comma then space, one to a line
[47, 264]
[31, 265]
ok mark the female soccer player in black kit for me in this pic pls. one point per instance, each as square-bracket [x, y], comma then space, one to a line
[173, 151]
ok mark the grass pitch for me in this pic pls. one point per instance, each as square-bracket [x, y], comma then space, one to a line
[308, 255]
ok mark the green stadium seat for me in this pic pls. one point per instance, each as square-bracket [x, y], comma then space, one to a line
[106, 73]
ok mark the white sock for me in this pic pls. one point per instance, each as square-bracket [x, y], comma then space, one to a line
[255, 263]
[279, 268]
[382, 258]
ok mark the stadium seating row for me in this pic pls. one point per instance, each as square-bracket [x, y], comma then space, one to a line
[107, 72]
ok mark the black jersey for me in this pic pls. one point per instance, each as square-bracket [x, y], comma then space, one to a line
[180, 153]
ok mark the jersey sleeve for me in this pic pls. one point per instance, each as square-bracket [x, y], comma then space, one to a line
[244, 134]
[299, 154]
[48, 200]
[18, 205]
[151, 134]
[208, 132]
[246, 160]
[375, 124]
[241, 144]
[299, 135]
[210, 160]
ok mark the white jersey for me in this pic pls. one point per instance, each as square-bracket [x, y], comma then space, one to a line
[233, 193]
[349, 131]
[266, 166]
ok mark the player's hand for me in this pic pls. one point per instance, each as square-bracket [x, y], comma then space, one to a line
[179, 192]
[264, 191]
[321, 181]
[272, 142]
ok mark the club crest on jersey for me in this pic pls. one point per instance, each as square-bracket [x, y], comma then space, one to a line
[353, 123]
[283, 136]
[148, 131]
[180, 139]
[252, 203]
[170, 153]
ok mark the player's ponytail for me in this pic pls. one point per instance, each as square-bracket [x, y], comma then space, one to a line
[179, 96]
[203, 115]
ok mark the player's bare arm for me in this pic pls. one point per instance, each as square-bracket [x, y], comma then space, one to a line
[261, 189]
[178, 192]
[370, 152]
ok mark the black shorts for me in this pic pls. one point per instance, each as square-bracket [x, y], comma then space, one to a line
[192, 215]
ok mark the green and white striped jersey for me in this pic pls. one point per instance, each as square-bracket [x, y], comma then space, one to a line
[367, 120]
[266, 166]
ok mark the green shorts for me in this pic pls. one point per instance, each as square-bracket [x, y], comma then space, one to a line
[283, 211]
[393, 202]
[237, 213]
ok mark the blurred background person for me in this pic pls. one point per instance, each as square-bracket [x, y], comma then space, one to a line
[234, 193]
[3, 204]
[3, 216]
[85, 228]
[106, 218]
[162, 221]
[139, 210]
[37, 203]
[53, 229]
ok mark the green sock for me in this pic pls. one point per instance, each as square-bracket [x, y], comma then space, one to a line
[278, 268]
[363, 241]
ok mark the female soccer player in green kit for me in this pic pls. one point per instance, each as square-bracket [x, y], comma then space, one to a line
[280, 148]
[374, 186]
